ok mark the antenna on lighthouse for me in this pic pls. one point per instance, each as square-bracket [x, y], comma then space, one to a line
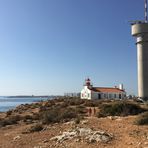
[145, 11]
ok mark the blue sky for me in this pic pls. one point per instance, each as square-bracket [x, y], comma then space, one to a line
[50, 46]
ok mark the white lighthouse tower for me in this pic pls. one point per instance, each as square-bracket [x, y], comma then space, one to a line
[140, 31]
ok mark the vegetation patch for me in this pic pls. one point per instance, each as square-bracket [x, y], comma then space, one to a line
[9, 121]
[56, 115]
[81, 109]
[8, 113]
[142, 119]
[36, 128]
[119, 109]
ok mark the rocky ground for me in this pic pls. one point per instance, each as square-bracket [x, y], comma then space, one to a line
[91, 132]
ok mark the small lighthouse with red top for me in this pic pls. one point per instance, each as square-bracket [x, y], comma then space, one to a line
[89, 92]
[88, 83]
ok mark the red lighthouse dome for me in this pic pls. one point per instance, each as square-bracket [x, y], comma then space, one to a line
[88, 82]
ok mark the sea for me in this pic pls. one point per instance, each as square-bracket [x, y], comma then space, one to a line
[7, 103]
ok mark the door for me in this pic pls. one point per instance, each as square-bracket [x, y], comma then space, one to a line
[119, 96]
[99, 96]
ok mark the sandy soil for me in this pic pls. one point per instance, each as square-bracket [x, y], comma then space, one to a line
[125, 134]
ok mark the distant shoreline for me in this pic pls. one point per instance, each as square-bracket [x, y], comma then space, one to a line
[30, 96]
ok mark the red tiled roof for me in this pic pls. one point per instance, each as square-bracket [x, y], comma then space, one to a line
[107, 89]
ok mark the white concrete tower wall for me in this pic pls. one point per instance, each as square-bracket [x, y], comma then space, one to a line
[121, 86]
[140, 31]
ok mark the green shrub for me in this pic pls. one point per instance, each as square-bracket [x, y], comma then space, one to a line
[119, 109]
[68, 114]
[57, 114]
[34, 105]
[142, 119]
[50, 116]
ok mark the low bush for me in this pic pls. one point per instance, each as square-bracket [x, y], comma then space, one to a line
[35, 105]
[36, 128]
[67, 114]
[142, 119]
[74, 101]
[64, 104]
[119, 109]
[77, 120]
[95, 103]
[8, 113]
[50, 116]
[9, 121]
[81, 109]
[56, 115]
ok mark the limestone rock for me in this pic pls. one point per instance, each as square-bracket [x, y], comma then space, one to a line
[85, 134]
[16, 138]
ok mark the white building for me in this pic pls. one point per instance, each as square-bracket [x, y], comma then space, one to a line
[89, 92]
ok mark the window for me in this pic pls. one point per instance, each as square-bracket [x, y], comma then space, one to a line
[104, 95]
[115, 96]
[110, 95]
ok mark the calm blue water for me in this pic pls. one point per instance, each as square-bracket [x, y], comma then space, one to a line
[7, 103]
